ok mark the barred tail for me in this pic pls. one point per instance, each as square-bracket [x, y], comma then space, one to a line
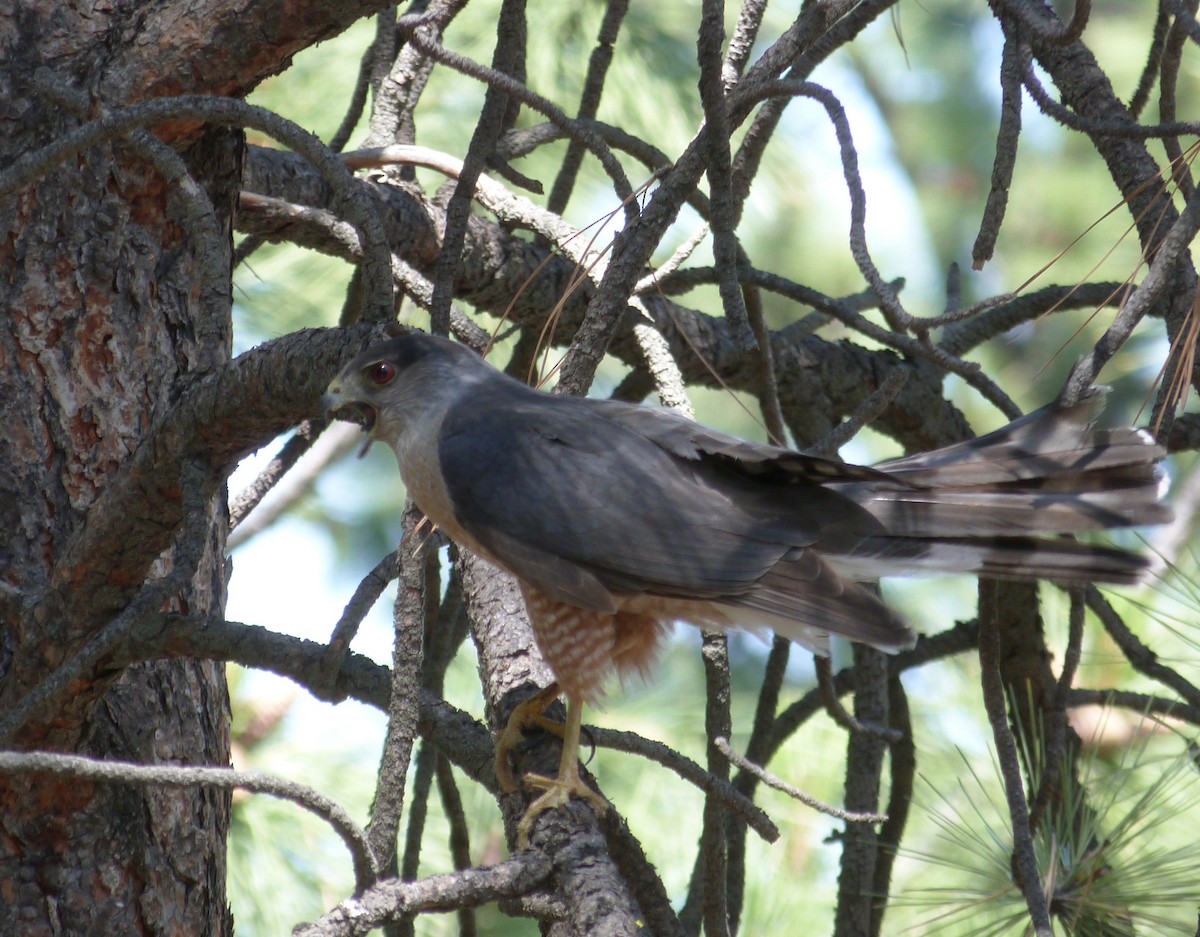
[978, 506]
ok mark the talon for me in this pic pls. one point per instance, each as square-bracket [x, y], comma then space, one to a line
[558, 790]
[527, 715]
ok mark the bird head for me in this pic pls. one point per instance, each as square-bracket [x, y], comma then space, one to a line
[401, 383]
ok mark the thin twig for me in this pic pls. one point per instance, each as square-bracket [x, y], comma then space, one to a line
[488, 127]
[1049, 788]
[379, 50]
[1007, 136]
[864, 414]
[298, 444]
[571, 128]
[1168, 82]
[795, 793]
[362, 601]
[654, 278]
[962, 637]
[768, 390]
[1091, 125]
[742, 41]
[1171, 251]
[418, 811]
[756, 751]
[1141, 93]
[1143, 660]
[1137, 702]
[889, 302]
[122, 772]
[589, 102]
[460, 840]
[723, 216]
[903, 759]
[837, 712]
[249, 515]
[865, 758]
[663, 369]
[845, 312]
[718, 723]
[1010, 769]
[1010, 310]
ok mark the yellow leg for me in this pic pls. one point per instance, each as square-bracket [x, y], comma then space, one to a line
[559, 790]
[526, 715]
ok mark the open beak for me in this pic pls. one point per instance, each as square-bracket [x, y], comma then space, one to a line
[337, 406]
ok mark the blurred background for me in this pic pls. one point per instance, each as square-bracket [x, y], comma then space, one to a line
[923, 102]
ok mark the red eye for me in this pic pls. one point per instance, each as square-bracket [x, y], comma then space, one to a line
[381, 372]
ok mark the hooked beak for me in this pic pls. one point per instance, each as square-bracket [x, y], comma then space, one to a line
[339, 407]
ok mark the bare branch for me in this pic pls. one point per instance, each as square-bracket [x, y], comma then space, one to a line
[460, 843]
[589, 102]
[121, 772]
[1143, 659]
[718, 723]
[391, 900]
[228, 111]
[510, 47]
[1006, 153]
[1137, 702]
[723, 219]
[408, 632]
[1172, 250]
[795, 793]
[515, 89]
[864, 770]
[691, 772]
[837, 712]
[1029, 880]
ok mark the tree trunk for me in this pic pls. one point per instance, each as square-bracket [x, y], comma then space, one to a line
[106, 323]
[104, 330]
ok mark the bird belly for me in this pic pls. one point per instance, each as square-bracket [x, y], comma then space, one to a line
[584, 648]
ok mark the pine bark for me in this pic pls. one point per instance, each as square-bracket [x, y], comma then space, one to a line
[106, 327]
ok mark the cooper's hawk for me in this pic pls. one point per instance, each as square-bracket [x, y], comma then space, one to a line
[618, 520]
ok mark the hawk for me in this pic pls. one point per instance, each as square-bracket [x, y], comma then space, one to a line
[618, 520]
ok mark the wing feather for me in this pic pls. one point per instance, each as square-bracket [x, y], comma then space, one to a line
[585, 507]
[691, 440]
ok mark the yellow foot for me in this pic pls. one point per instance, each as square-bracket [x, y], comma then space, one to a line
[557, 792]
[527, 715]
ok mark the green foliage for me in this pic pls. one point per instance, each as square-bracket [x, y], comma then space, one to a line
[923, 104]
[1117, 852]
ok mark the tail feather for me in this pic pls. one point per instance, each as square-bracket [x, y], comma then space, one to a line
[1049, 472]
[976, 506]
[967, 512]
[804, 599]
[1038, 451]
[1048, 443]
[1000, 557]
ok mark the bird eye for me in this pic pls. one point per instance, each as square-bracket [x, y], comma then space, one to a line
[381, 372]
